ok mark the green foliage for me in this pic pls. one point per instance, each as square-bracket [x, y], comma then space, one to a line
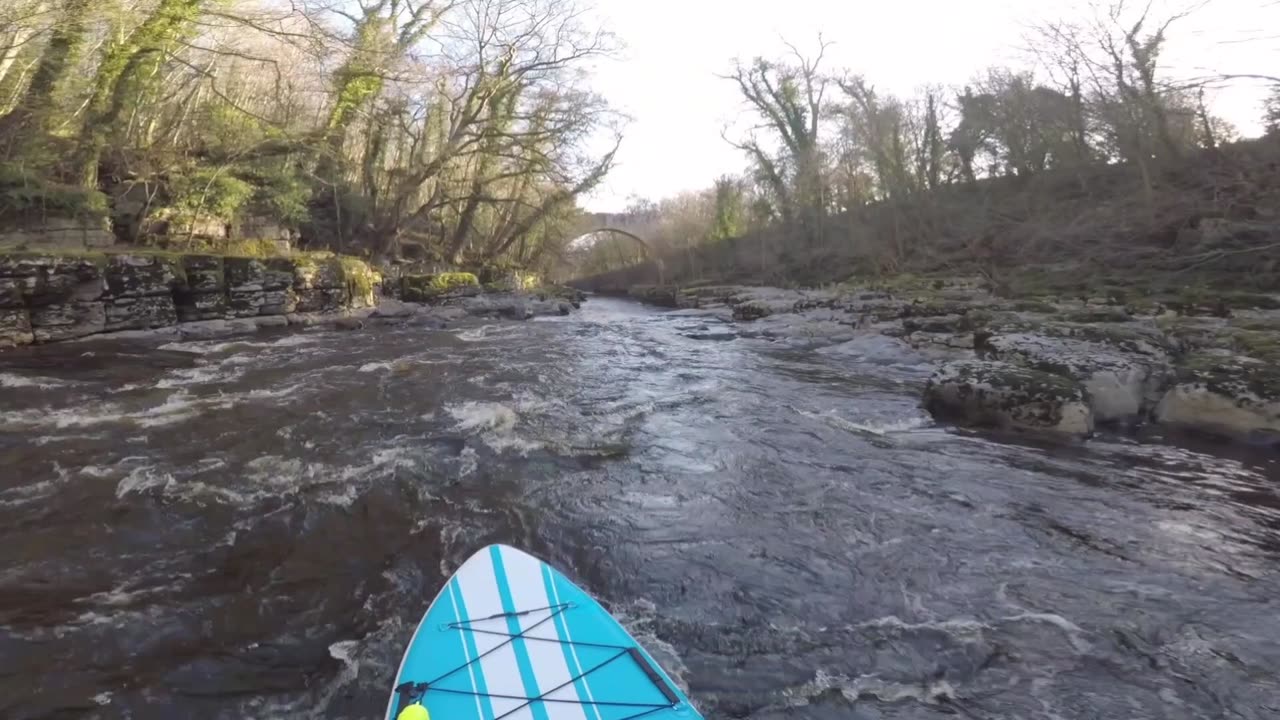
[730, 210]
[252, 248]
[453, 280]
[208, 191]
[24, 196]
[283, 196]
[424, 288]
[361, 279]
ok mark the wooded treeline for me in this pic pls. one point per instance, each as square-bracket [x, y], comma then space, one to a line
[455, 130]
[837, 163]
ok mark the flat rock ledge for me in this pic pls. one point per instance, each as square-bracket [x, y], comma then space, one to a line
[1009, 397]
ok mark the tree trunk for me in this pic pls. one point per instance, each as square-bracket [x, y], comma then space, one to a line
[59, 57]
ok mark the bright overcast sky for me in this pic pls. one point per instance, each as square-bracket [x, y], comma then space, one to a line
[666, 77]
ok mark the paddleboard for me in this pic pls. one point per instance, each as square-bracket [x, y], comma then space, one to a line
[510, 638]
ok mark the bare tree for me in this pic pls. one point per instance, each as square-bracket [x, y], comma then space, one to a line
[788, 97]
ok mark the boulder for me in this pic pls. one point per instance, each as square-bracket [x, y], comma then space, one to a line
[513, 309]
[136, 276]
[752, 310]
[664, 295]
[15, 327]
[140, 313]
[1010, 397]
[1224, 394]
[348, 323]
[390, 308]
[65, 321]
[270, 322]
[1122, 385]
[812, 328]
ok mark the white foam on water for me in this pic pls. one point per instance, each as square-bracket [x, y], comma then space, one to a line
[930, 692]
[394, 456]
[25, 494]
[872, 427]
[467, 463]
[485, 332]
[490, 416]
[1074, 632]
[375, 367]
[275, 393]
[208, 347]
[950, 627]
[140, 480]
[10, 380]
[199, 375]
[176, 408]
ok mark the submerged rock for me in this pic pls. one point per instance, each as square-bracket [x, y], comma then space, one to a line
[995, 394]
[349, 323]
[389, 308]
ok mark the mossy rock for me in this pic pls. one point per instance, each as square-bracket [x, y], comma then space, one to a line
[428, 288]
[318, 273]
[362, 281]
[1232, 376]
[994, 394]
[203, 273]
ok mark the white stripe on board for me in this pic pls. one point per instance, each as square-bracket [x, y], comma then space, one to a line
[471, 667]
[479, 590]
[528, 591]
[568, 636]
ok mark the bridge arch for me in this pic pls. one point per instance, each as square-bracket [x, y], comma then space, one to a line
[649, 255]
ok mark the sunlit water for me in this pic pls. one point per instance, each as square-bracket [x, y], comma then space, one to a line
[251, 529]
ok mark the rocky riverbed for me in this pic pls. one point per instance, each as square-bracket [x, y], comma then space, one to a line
[1057, 365]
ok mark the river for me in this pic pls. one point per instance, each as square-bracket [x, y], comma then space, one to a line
[252, 528]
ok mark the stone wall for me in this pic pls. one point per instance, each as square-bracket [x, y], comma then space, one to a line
[52, 297]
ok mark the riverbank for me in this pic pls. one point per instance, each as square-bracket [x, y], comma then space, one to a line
[1049, 364]
[56, 297]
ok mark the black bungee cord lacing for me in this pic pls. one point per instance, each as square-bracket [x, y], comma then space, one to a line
[412, 692]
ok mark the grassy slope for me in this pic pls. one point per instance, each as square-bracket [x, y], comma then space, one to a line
[1206, 224]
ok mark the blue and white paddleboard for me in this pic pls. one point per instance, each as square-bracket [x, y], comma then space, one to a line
[510, 638]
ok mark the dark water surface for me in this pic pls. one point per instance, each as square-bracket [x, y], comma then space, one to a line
[251, 529]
